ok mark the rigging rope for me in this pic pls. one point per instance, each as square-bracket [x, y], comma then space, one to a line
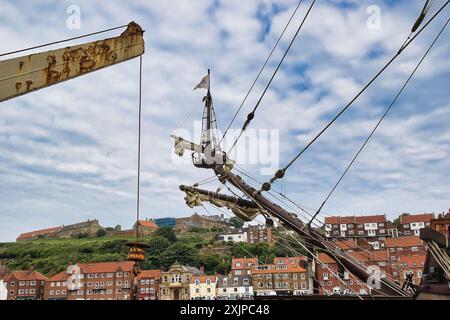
[251, 115]
[280, 173]
[62, 41]
[139, 151]
[262, 69]
[380, 121]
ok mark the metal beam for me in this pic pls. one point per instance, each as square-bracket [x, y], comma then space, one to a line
[22, 75]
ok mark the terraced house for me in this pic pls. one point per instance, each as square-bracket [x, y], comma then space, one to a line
[147, 283]
[238, 287]
[285, 276]
[103, 281]
[203, 287]
[56, 287]
[25, 285]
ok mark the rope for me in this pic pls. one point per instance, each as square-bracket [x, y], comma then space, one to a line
[380, 121]
[280, 173]
[251, 115]
[139, 151]
[61, 41]
[261, 70]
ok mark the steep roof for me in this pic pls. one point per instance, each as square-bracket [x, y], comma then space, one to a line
[411, 261]
[106, 266]
[62, 276]
[355, 219]
[148, 224]
[149, 274]
[410, 241]
[23, 275]
[425, 217]
[203, 278]
[243, 263]
[36, 233]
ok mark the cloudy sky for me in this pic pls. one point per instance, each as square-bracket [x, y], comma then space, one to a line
[68, 152]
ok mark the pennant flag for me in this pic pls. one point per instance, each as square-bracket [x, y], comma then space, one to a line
[204, 83]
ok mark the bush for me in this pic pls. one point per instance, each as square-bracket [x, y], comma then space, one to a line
[100, 233]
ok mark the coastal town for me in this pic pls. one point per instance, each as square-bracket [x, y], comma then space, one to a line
[393, 246]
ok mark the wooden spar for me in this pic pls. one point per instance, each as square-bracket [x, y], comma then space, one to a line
[19, 76]
[226, 198]
[386, 286]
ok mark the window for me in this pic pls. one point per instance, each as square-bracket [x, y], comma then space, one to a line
[245, 281]
[176, 278]
[325, 276]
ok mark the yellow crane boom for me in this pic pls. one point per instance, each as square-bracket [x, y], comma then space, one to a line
[25, 74]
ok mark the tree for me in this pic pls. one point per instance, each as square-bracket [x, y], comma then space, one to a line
[156, 248]
[213, 262]
[236, 222]
[100, 233]
[166, 232]
[180, 252]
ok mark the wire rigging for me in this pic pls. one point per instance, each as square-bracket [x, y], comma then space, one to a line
[261, 70]
[251, 115]
[62, 41]
[280, 173]
[139, 152]
[380, 120]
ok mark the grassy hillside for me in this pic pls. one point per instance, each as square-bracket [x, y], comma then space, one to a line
[50, 256]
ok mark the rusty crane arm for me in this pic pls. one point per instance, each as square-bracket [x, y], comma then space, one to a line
[19, 76]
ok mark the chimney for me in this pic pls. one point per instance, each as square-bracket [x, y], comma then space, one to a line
[202, 269]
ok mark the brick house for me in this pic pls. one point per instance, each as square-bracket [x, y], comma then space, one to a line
[242, 266]
[145, 227]
[148, 284]
[259, 234]
[25, 285]
[238, 287]
[404, 246]
[285, 276]
[442, 223]
[410, 225]
[103, 281]
[373, 227]
[413, 265]
[203, 287]
[174, 284]
[327, 273]
[56, 287]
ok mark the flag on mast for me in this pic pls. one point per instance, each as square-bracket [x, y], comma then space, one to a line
[204, 83]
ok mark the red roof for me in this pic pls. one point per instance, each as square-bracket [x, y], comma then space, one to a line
[426, 217]
[203, 279]
[148, 224]
[289, 260]
[355, 219]
[370, 256]
[411, 261]
[36, 233]
[62, 276]
[24, 275]
[410, 241]
[324, 258]
[106, 266]
[245, 263]
[149, 274]
[347, 244]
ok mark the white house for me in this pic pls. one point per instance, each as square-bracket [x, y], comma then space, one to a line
[234, 235]
[3, 290]
[238, 287]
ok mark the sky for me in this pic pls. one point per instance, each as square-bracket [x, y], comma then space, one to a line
[68, 152]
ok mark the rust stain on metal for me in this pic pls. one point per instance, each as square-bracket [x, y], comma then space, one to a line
[18, 86]
[29, 83]
[39, 70]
